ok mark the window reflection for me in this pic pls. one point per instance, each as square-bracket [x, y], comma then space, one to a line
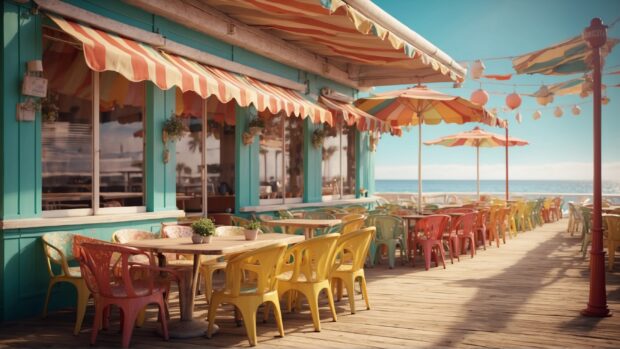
[121, 141]
[190, 107]
[220, 155]
[338, 165]
[270, 157]
[66, 139]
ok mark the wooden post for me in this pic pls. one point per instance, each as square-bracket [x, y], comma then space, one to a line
[596, 36]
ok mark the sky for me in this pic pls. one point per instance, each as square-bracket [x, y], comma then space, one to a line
[560, 148]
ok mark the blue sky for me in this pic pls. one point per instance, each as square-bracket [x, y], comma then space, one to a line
[560, 148]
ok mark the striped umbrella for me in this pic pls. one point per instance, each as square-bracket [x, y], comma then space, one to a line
[478, 138]
[568, 57]
[418, 105]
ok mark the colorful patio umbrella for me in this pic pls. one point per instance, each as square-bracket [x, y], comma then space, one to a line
[478, 138]
[568, 57]
[418, 105]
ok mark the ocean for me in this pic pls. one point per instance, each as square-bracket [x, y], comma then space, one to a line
[495, 186]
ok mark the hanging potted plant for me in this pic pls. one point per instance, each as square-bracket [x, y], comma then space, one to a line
[203, 230]
[255, 127]
[318, 137]
[173, 129]
[49, 108]
[251, 230]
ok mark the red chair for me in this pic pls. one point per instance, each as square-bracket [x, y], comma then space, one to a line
[428, 236]
[114, 280]
[463, 228]
[480, 228]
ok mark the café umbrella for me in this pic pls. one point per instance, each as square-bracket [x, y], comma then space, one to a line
[420, 105]
[478, 138]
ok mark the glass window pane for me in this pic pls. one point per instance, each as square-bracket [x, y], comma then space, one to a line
[66, 139]
[220, 156]
[190, 107]
[121, 135]
[331, 161]
[348, 159]
[270, 157]
[294, 160]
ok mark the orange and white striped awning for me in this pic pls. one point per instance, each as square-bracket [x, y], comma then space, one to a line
[139, 62]
[354, 116]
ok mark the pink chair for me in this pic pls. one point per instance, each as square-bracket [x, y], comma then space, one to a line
[428, 236]
[131, 286]
[463, 228]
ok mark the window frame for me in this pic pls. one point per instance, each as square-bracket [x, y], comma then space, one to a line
[342, 196]
[284, 199]
[96, 147]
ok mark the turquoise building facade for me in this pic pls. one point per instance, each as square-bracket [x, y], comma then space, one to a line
[23, 272]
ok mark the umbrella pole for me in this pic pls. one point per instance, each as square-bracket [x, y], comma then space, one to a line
[507, 192]
[478, 171]
[420, 166]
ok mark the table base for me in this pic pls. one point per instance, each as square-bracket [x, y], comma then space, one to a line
[187, 329]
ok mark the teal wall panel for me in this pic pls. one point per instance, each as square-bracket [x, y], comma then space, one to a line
[119, 11]
[24, 265]
[160, 176]
[21, 183]
[313, 183]
[246, 162]
[186, 36]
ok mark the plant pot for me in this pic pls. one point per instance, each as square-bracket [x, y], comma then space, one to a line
[251, 234]
[197, 239]
[206, 239]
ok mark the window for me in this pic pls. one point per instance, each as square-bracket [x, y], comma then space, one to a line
[338, 165]
[92, 135]
[281, 160]
[219, 161]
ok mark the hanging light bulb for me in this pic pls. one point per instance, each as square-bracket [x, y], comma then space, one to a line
[519, 118]
[558, 112]
[537, 114]
[513, 101]
[543, 95]
[605, 100]
[477, 69]
[479, 97]
[576, 110]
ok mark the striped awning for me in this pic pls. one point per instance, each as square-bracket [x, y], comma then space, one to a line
[354, 116]
[568, 57]
[139, 62]
[337, 30]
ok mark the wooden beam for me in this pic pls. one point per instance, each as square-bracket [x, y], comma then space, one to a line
[199, 16]
[157, 40]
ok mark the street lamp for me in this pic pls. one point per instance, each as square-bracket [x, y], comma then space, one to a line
[596, 36]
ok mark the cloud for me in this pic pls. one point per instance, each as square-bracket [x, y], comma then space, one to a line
[560, 171]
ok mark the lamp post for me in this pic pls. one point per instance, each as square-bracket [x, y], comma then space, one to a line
[507, 189]
[596, 36]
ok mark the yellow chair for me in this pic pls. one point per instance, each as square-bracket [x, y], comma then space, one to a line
[352, 223]
[356, 209]
[612, 237]
[239, 221]
[265, 264]
[307, 270]
[348, 270]
[209, 264]
[58, 249]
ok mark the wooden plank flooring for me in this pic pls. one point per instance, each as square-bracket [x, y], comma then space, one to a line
[526, 293]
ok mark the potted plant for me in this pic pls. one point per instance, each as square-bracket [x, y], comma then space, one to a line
[251, 230]
[256, 126]
[203, 230]
[173, 129]
[318, 136]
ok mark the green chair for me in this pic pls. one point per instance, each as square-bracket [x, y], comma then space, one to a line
[239, 221]
[390, 233]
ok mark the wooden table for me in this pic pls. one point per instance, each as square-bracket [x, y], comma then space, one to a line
[307, 224]
[187, 327]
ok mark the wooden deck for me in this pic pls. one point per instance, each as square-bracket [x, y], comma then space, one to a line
[527, 293]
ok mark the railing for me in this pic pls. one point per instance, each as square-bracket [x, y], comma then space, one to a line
[452, 197]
